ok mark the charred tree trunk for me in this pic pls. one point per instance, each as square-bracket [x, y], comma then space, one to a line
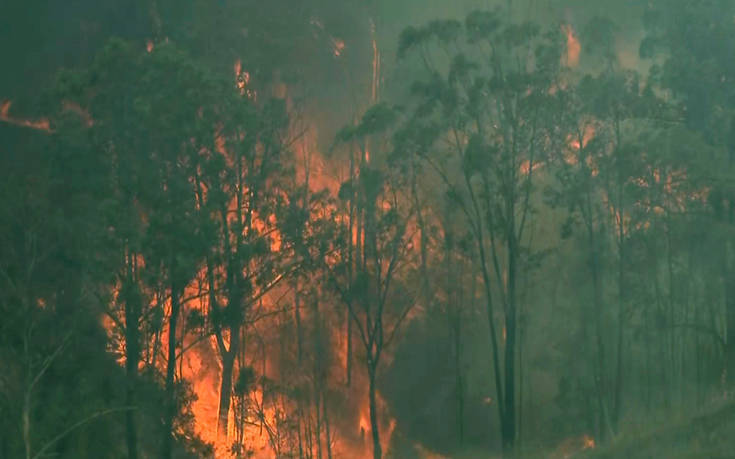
[350, 270]
[600, 369]
[297, 319]
[225, 397]
[170, 408]
[132, 356]
[479, 235]
[617, 401]
[317, 412]
[326, 427]
[349, 350]
[455, 293]
[509, 428]
[374, 425]
[729, 281]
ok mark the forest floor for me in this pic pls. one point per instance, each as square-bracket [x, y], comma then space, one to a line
[709, 434]
[704, 435]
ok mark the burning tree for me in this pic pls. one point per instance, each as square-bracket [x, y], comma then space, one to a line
[240, 191]
[370, 279]
[154, 133]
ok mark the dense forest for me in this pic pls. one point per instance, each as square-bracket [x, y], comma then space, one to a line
[367, 228]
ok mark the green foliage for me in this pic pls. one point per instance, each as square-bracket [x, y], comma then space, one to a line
[598, 37]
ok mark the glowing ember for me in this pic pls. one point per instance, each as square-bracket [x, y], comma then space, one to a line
[41, 125]
[81, 112]
[526, 166]
[588, 442]
[572, 446]
[338, 46]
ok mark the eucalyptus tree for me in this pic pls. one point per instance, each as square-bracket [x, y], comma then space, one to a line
[690, 45]
[55, 276]
[241, 190]
[602, 167]
[487, 101]
[373, 281]
[151, 113]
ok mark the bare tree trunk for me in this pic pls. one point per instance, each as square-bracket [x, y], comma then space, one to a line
[132, 356]
[308, 434]
[27, 402]
[298, 429]
[457, 332]
[223, 412]
[729, 281]
[509, 430]
[350, 269]
[621, 319]
[349, 349]
[601, 373]
[374, 425]
[297, 318]
[326, 427]
[170, 410]
[459, 380]
[317, 411]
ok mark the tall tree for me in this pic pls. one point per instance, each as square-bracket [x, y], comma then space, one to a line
[690, 44]
[377, 300]
[241, 192]
[491, 107]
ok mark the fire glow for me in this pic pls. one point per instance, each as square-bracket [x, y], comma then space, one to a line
[573, 46]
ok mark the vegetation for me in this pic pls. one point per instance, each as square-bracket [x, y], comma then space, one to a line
[354, 229]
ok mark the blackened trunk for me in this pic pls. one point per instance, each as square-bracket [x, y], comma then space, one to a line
[377, 449]
[170, 409]
[297, 318]
[132, 356]
[225, 393]
[460, 385]
[326, 426]
[349, 348]
[617, 406]
[350, 268]
[509, 428]
[601, 383]
[317, 406]
[730, 318]
[729, 280]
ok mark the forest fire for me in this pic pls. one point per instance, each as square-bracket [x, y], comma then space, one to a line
[353, 231]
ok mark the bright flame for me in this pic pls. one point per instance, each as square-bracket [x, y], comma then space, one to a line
[338, 46]
[238, 67]
[573, 46]
[242, 79]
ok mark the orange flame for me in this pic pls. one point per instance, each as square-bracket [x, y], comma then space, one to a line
[573, 46]
[338, 46]
[41, 124]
